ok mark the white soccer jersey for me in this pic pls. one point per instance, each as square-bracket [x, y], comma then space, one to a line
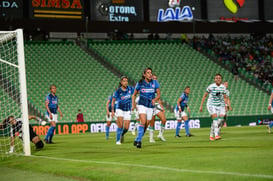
[216, 95]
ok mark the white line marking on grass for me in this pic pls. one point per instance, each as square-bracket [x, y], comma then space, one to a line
[161, 168]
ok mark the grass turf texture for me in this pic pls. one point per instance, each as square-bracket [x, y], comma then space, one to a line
[244, 153]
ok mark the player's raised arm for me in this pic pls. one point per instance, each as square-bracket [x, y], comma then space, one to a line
[203, 100]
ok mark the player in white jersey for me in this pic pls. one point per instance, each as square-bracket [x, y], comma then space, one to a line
[216, 105]
[136, 116]
[159, 112]
[270, 107]
[229, 108]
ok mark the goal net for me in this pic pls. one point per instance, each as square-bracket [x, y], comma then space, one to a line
[14, 137]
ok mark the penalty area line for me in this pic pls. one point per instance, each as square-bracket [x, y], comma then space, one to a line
[159, 167]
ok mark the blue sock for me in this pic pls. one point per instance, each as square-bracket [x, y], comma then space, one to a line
[107, 131]
[119, 131]
[178, 128]
[124, 132]
[51, 135]
[140, 133]
[271, 125]
[187, 127]
[48, 132]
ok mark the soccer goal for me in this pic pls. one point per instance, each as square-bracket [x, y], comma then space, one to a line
[14, 138]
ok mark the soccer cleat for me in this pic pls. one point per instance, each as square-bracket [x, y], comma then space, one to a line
[118, 143]
[46, 141]
[152, 140]
[211, 138]
[161, 137]
[177, 136]
[133, 132]
[138, 145]
[217, 137]
[135, 143]
[268, 129]
[189, 135]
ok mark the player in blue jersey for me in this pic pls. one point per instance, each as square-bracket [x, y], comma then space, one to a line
[180, 114]
[147, 88]
[270, 107]
[123, 96]
[51, 113]
[109, 117]
[159, 112]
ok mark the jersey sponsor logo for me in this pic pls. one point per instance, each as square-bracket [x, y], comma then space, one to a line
[125, 97]
[147, 90]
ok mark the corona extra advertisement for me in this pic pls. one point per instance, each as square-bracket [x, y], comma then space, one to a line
[174, 10]
[58, 9]
[116, 10]
[233, 10]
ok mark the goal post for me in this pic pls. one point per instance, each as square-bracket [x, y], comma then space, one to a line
[13, 90]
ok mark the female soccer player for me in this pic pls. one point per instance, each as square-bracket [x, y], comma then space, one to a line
[216, 105]
[123, 96]
[51, 113]
[109, 117]
[270, 106]
[160, 112]
[179, 112]
[16, 127]
[146, 88]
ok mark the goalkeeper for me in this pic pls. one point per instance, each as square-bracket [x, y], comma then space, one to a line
[16, 127]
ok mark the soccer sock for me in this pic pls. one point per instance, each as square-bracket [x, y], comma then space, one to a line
[140, 133]
[162, 129]
[151, 132]
[119, 131]
[178, 128]
[216, 126]
[124, 132]
[52, 134]
[187, 127]
[48, 133]
[107, 128]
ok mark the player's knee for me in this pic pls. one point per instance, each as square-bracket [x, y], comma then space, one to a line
[39, 145]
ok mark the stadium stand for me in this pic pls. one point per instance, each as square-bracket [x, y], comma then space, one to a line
[81, 81]
[177, 66]
[253, 56]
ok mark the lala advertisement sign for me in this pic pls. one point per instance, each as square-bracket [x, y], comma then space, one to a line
[174, 10]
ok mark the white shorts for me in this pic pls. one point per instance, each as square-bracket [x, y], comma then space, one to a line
[136, 114]
[157, 109]
[146, 110]
[272, 110]
[54, 117]
[219, 110]
[109, 118]
[178, 115]
[125, 114]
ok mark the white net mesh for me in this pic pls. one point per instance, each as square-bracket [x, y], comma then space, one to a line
[10, 104]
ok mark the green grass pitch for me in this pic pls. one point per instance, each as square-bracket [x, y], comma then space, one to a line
[244, 153]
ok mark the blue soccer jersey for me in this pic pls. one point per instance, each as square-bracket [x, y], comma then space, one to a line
[124, 98]
[53, 103]
[147, 91]
[110, 98]
[183, 102]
